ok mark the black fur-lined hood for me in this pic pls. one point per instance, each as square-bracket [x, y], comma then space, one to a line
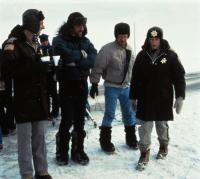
[18, 32]
[75, 18]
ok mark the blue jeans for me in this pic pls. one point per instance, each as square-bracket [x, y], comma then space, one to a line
[0, 136]
[111, 96]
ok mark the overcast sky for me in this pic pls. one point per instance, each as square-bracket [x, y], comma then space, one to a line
[180, 20]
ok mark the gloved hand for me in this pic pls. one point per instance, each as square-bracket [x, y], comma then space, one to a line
[94, 90]
[178, 104]
[84, 54]
[134, 104]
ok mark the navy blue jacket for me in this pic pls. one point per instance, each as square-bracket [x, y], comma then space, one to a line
[69, 50]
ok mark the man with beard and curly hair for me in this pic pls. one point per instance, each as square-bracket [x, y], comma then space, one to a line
[77, 55]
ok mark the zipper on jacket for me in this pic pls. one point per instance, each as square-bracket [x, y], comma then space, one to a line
[153, 62]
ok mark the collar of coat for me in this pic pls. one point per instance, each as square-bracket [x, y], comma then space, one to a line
[121, 48]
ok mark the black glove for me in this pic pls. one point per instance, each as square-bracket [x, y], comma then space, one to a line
[94, 90]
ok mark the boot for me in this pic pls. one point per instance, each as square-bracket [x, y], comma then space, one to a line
[163, 151]
[45, 176]
[105, 139]
[26, 177]
[62, 148]
[77, 152]
[131, 139]
[143, 160]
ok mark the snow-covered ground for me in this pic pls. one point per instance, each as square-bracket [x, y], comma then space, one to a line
[182, 162]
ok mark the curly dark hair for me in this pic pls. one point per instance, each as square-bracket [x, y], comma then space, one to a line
[74, 18]
[64, 30]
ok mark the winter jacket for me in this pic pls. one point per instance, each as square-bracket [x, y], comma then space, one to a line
[23, 64]
[73, 65]
[114, 65]
[1, 61]
[46, 50]
[152, 83]
[5, 86]
[2, 83]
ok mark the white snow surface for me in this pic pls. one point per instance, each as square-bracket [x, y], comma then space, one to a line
[182, 162]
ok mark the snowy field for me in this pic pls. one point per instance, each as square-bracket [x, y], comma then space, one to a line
[183, 161]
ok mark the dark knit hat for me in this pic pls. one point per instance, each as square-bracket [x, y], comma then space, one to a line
[31, 20]
[122, 28]
[155, 32]
[76, 18]
[43, 37]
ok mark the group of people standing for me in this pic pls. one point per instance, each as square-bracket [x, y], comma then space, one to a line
[152, 76]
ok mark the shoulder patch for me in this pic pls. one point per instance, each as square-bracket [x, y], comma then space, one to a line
[9, 47]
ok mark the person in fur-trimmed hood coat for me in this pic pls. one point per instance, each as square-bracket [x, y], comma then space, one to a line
[156, 74]
[77, 58]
